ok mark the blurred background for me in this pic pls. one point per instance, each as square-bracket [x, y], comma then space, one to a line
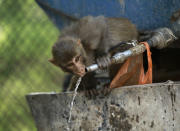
[26, 38]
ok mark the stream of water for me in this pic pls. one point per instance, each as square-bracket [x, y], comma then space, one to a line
[72, 102]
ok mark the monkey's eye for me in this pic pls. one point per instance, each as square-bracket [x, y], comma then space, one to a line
[77, 58]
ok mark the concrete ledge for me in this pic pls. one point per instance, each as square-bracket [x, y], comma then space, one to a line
[136, 108]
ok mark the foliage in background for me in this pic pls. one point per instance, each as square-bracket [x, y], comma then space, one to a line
[26, 38]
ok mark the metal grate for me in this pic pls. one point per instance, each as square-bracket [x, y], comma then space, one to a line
[26, 38]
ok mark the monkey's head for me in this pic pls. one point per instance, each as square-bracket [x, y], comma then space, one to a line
[69, 55]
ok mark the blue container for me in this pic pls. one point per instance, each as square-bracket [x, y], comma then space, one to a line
[146, 14]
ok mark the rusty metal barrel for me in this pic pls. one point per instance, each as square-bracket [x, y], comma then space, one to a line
[132, 108]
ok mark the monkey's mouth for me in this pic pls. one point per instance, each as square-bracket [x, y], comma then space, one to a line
[81, 74]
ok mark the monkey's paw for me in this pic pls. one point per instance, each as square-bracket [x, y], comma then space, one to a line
[101, 93]
[91, 93]
[103, 62]
[105, 90]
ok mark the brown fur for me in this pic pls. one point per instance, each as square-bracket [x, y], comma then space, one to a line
[97, 35]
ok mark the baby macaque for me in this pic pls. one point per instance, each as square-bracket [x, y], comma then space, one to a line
[88, 41]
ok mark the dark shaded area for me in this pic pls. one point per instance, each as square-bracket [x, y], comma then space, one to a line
[166, 64]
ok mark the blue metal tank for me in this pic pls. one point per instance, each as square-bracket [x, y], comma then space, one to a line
[146, 14]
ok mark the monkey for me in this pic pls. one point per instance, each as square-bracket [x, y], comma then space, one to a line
[66, 82]
[88, 41]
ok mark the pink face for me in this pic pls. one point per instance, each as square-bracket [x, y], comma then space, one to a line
[76, 66]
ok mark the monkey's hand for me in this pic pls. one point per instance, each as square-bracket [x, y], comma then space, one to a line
[106, 90]
[93, 93]
[145, 35]
[103, 62]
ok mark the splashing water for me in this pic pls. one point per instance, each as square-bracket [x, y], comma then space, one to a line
[72, 102]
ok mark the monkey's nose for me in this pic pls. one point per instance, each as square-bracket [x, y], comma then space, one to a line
[82, 69]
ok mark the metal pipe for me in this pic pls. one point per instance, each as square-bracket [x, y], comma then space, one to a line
[162, 38]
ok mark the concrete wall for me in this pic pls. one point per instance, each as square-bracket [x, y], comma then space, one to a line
[154, 107]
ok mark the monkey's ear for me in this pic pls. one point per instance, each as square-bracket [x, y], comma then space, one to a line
[79, 42]
[53, 61]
